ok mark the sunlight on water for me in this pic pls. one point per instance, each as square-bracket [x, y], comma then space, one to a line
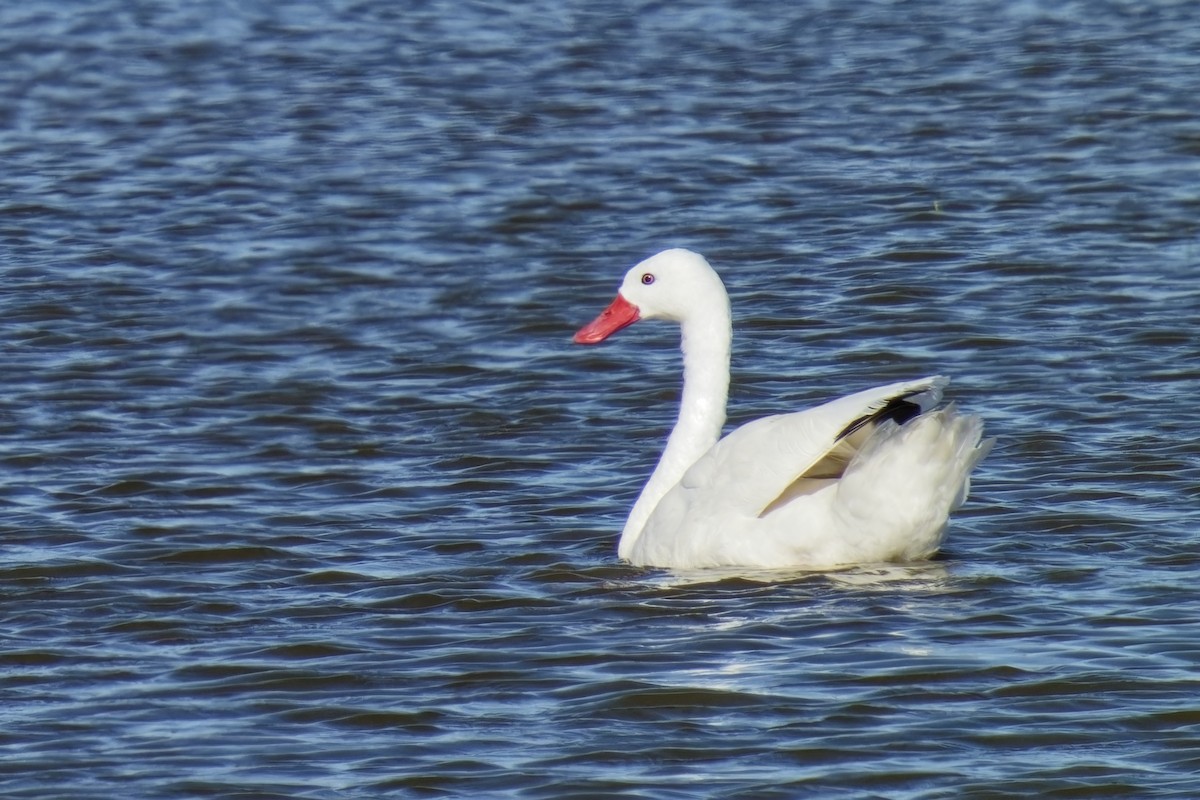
[309, 495]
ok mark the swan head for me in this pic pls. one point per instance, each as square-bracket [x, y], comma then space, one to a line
[676, 285]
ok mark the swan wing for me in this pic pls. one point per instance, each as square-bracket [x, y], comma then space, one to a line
[765, 463]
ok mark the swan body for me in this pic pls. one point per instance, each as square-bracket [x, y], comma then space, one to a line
[870, 477]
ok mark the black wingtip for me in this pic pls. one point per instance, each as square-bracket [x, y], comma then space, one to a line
[899, 410]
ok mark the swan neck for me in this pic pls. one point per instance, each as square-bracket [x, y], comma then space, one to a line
[706, 354]
[706, 348]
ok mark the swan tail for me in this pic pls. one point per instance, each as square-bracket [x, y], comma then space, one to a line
[900, 488]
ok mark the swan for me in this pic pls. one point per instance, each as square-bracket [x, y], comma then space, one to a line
[870, 477]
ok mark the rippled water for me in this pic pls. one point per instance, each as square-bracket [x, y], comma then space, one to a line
[307, 494]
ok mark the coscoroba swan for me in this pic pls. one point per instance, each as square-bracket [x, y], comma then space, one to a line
[870, 477]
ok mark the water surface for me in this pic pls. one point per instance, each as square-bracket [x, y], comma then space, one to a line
[307, 493]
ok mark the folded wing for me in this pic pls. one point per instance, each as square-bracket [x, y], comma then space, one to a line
[766, 463]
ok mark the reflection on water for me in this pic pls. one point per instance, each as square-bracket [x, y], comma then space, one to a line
[917, 577]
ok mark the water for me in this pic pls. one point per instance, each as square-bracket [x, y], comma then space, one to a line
[307, 494]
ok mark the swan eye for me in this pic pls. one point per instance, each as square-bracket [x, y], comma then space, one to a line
[647, 279]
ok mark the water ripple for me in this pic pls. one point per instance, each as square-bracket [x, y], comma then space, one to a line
[308, 495]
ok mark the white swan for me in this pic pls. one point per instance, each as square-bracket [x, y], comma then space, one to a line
[870, 477]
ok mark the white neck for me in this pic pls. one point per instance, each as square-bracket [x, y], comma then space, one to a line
[706, 340]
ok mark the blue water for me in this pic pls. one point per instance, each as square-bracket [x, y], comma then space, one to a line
[307, 494]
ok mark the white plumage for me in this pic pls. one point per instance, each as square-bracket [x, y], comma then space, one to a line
[869, 477]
